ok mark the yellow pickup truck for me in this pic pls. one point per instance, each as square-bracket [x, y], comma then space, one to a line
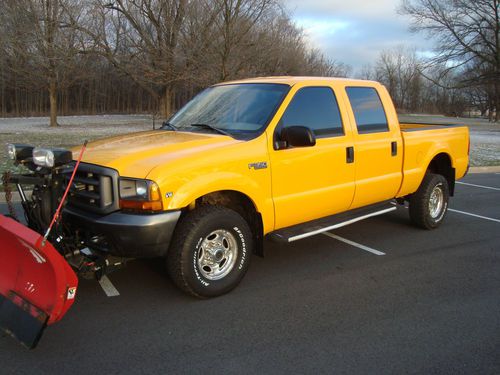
[283, 157]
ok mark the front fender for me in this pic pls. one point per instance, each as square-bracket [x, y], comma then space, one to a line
[223, 181]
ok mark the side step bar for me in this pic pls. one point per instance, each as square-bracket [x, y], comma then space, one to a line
[312, 228]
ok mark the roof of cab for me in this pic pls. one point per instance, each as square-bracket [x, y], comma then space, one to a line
[292, 80]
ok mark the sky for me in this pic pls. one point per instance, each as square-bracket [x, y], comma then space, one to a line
[355, 31]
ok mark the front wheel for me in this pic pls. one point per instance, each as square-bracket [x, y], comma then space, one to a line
[428, 205]
[210, 251]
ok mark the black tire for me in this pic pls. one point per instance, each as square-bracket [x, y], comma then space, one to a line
[433, 187]
[206, 234]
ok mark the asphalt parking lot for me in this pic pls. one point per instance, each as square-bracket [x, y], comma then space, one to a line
[429, 305]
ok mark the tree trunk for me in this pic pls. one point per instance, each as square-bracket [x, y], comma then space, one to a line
[496, 104]
[53, 103]
[166, 102]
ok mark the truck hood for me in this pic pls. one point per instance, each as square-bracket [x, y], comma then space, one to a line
[136, 154]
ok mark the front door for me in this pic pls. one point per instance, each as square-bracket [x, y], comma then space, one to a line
[312, 182]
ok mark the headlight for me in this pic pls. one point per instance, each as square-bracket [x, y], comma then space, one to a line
[140, 194]
[51, 157]
[135, 189]
[11, 151]
[19, 152]
[43, 157]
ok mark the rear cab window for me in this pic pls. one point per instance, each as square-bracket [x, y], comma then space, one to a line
[315, 108]
[368, 110]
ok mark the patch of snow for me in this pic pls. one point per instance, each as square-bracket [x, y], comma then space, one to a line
[103, 124]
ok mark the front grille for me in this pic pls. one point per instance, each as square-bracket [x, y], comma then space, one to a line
[94, 189]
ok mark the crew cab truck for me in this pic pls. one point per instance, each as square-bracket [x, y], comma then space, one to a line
[284, 157]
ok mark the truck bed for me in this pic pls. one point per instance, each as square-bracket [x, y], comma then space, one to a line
[423, 141]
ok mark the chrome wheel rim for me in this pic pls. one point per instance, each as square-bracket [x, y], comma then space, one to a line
[217, 254]
[436, 202]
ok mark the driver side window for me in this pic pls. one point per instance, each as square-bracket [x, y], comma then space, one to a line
[315, 108]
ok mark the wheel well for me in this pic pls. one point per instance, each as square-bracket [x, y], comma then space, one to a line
[441, 164]
[243, 205]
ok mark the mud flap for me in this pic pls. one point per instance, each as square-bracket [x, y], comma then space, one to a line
[37, 285]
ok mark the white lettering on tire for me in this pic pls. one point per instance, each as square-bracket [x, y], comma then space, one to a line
[243, 247]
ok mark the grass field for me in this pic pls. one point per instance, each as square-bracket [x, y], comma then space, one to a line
[485, 137]
[73, 131]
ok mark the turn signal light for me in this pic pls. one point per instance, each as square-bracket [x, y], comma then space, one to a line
[141, 205]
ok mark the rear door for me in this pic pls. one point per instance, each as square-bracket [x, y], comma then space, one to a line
[378, 153]
[312, 182]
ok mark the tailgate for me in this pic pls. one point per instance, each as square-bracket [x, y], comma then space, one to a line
[37, 285]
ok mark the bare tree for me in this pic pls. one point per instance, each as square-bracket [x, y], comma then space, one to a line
[148, 55]
[399, 70]
[236, 21]
[140, 38]
[279, 48]
[41, 44]
[366, 72]
[466, 31]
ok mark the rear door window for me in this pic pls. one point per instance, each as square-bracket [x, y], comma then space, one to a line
[368, 110]
[315, 108]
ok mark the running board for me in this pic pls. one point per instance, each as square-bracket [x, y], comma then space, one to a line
[312, 228]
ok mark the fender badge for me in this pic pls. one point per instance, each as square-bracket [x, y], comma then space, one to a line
[258, 165]
[169, 194]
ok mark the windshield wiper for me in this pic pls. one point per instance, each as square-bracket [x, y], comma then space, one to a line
[167, 124]
[211, 127]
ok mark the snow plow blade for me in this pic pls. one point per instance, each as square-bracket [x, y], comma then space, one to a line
[37, 285]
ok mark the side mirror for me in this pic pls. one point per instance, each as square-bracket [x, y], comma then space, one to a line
[296, 136]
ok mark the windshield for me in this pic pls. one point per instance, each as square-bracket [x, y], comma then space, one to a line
[238, 109]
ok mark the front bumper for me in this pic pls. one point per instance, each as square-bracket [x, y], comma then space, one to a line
[125, 234]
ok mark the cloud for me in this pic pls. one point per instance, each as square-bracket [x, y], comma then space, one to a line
[320, 32]
[355, 31]
[362, 8]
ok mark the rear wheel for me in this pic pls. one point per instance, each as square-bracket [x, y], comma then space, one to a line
[210, 252]
[429, 204]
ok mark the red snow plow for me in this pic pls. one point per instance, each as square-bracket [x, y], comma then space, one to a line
[37, 285]
[39, 261]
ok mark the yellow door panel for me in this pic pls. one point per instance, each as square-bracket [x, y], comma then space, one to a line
[378, 173]
[311, 182]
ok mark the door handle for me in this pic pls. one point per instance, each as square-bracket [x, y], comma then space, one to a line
[349, 154]
[394, 148]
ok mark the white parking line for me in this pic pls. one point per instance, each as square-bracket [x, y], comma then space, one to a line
[479, 186]
[352, 243]
[478, 216]
[108, 287]
[470, 214]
